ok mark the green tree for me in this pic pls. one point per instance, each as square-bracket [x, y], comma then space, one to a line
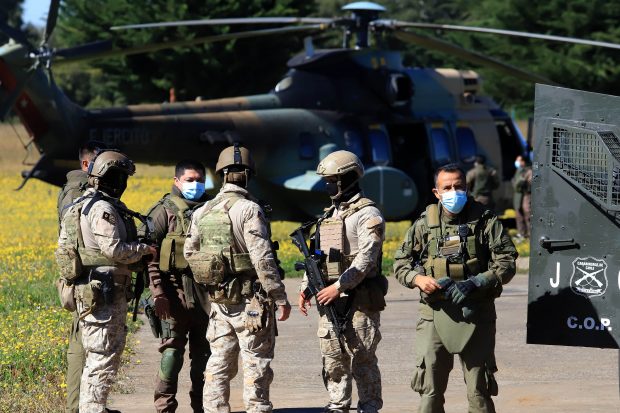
[215, 70]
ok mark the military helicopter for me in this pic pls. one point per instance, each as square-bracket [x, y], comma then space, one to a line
[402, 122]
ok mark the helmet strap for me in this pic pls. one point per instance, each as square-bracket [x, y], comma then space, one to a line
[346, 192]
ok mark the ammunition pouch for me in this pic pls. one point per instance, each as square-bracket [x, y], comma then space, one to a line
[234, 290]
[370, 294]
[208, 268]
[69, 262]
[171, 254]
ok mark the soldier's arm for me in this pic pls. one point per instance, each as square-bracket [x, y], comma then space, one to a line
[470, 178]
[256, 237]
[160, 230]
[503, 253]
[371, 233]
[408, 257]
[103, 220]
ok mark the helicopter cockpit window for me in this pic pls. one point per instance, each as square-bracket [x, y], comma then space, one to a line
[380, 146]
[440, 142]
[307, 148]
[467, 144]
[353, 143]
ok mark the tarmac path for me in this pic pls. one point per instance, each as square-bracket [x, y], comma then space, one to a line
[532, 378]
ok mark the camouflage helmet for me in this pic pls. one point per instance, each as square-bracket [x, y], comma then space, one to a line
[235, 155]
[340, 163]
[110, 159]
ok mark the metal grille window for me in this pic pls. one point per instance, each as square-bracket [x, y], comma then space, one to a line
[589, 159]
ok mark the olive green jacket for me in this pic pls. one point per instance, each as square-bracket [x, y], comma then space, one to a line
[496, 249]
[165, 220]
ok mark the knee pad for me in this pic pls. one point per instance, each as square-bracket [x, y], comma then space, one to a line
[171, 363]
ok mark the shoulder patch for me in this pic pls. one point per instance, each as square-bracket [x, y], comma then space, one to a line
[109, 217]
[374, 222]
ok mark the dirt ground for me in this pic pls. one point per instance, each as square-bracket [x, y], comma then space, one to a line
[532, 378]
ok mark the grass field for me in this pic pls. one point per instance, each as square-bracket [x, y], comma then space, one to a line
[33, 328]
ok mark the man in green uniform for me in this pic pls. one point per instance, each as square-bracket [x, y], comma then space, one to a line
[459, 256]
[180, 304]
[521, 198]
[481, 181]
[77, 182]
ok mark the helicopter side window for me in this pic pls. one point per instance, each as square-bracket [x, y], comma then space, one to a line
[353, 143]
[466, 142]
[380, 146]
[307, 149]
[441, 146]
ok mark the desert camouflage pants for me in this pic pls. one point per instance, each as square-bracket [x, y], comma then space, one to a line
[229, 338]
[358, 362]
[103, 337]
[434, 363]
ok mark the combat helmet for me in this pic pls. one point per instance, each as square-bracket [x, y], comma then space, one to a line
[109, 171]
[346, 167]
[236, 165]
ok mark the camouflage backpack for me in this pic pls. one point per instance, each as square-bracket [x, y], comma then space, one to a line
[71, 255]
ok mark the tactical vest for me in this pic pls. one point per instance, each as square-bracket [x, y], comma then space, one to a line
[171, 256]
[218, 259]
[72, 257]
[332, 233]
[448, 254]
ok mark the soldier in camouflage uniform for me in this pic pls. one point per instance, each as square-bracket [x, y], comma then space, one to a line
[229, 250]
[179, 303]
[351, 234]
[481, 181]
[77, 182]
[459, 256]
[104, 237]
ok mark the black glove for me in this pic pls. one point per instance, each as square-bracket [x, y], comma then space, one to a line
[462, 290]
[447, 286]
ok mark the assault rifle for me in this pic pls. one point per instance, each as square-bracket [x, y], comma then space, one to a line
[315, 279]
[141, 275]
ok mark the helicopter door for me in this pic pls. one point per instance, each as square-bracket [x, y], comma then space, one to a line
[574, 284]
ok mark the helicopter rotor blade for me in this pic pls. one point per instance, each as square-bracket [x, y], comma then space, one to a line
[470, 56]
[52, 17]
[400, 24]
[62, 56]
[228, 21]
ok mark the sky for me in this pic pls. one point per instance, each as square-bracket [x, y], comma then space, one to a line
[35, 11]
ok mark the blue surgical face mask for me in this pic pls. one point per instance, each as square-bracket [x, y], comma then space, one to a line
[192, 190]
[517, 164]
[454, 201]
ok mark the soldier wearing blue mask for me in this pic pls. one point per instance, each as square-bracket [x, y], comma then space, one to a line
[179, 306]
[458, 255]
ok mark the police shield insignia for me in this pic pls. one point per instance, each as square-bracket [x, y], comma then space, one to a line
[589, 277]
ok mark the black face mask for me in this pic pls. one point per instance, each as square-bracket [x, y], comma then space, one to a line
[114, 183]
[331, 188]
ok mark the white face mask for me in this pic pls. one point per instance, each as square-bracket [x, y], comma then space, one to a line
[454, 201]
[192, 190]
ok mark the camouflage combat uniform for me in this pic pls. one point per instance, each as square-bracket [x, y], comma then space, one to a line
[444, 328]
[364, 233]
[108, 233]
[227, 333]
[75, 186]
[189, 306]
[481, 181]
